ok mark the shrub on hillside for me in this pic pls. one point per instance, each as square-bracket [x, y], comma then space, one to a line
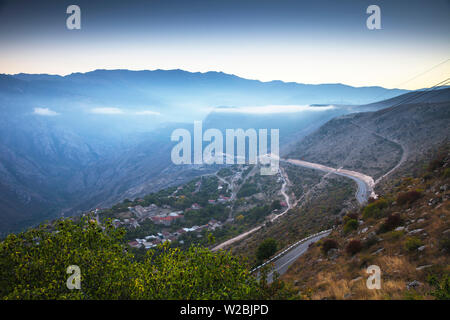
[408, 197]
[354, 247]
[392, 222]
[328, 244]
[440, 285]
[266, 249]
[351, 215]
[395, 235]
[412, 243]
[351, 225]
[375, 209]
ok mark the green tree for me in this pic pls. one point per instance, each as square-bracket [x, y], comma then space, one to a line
[33, 265]
[276, 205]
[266, 249]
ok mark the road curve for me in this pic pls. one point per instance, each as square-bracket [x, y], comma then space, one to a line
[365, 183]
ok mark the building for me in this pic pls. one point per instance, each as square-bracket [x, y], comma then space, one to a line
[196, 206]
[223, 199]
[134, 244]
[166, 220]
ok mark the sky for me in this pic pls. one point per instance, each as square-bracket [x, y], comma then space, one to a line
[294, 41]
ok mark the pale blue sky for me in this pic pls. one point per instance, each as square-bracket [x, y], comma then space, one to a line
[301, 41]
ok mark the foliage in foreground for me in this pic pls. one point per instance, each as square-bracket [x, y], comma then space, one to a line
[33, 265]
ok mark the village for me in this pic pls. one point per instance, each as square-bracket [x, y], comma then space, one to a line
[166, 216]
[186, 212]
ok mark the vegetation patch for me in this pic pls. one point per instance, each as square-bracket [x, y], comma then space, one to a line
[328, 244]
[351, 225]
[413, 243]
[408, 197]
[353, 247]
[375, 209]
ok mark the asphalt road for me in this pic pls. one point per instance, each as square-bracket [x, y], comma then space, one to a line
[365, 183]
[281, 265]
[362, 194]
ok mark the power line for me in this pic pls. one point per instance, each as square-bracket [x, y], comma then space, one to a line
[416, 76]
[419, 94]
[426, 71]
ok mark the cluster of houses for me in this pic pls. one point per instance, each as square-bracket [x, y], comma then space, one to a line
[130, 223]
[221, 199]
[167, 219]
[152, 241]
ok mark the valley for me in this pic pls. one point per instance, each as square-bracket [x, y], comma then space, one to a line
[330, 170]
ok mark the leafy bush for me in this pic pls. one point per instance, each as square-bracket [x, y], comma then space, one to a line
[441, 286]
[395, 235]
[328, 244]
[350, 225]
[351, 215]
[353, 247]
[375, 209]
[266, 249]
[412, 243]
[392, 222]
[408, 197]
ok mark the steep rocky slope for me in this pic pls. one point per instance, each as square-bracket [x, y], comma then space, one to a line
[406, 233]
[375, 142]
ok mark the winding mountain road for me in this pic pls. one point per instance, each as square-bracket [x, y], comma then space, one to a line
[364, 182]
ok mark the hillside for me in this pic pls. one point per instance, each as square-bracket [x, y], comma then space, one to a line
[406, 233]
[375, 142]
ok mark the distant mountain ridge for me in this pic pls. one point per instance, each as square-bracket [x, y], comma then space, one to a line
[163, 89]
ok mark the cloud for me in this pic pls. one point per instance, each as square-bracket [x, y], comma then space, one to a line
[106, 111]
[45, 112]
[147, 112]
[273, 109]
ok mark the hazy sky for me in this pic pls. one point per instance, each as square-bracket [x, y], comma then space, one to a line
[301, 41]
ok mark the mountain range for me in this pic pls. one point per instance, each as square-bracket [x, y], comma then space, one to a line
[72, 143]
